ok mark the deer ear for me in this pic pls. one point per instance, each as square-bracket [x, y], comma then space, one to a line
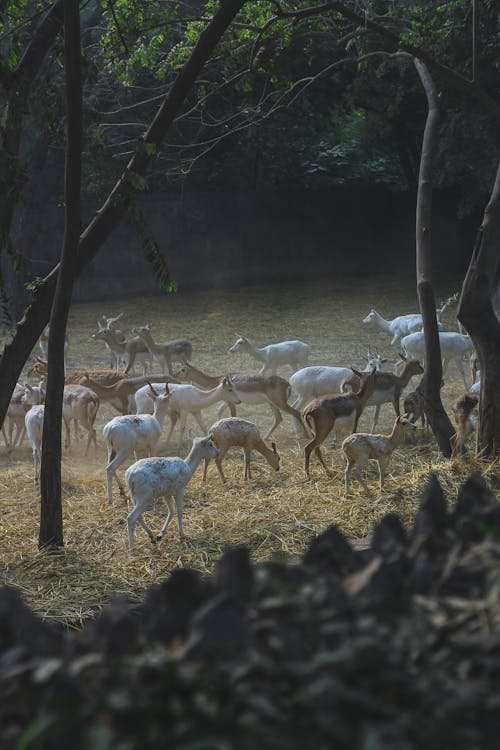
[356, 372]
[191, 434]
[273, 446]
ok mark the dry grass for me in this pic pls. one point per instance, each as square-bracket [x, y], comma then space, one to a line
[274, 513]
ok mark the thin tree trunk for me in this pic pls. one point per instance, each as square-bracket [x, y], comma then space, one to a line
[475, 312]
[51, 523]
[107, 218]
[431, 381]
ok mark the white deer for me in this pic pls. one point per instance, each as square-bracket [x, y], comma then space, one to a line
[293, 353]
[23, 398]
[454, 347]
[319, 380]
[34, 429]
[150, 478]
[252, 389]
[133, 433]
[397, 327]
[188, 399]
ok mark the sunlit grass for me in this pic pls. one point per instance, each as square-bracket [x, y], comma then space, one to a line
[274, 513]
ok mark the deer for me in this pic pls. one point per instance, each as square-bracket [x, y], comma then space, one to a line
[387, 386]
[362, 447]
[323, 413]
[128, 351]
[188, 399]
[121, 394]
[320, 380]
[444, 306]
[106, 323]
[149, 478]
[293, 353]
[80, 404]
[44, 344]
[252, 389]
[466, 417]
[397, 327]
[104, 377]
[178, 350]
[414, 406]
[133, 433]
[454, 346]
[34, 429]
[233, 432]
[23, 398]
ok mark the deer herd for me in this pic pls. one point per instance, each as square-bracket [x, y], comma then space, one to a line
[320, 399]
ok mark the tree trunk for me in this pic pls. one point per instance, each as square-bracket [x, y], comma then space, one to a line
[37, 314]
[431, 381]
[475, 312]
[51, 524]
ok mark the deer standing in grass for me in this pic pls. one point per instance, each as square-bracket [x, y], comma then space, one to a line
[324, 412]
[362, 447]
[293, 353]
[252, 389]
[234, 432]
[150, 478]
[133, 433]
[178, 349]
[387, 386]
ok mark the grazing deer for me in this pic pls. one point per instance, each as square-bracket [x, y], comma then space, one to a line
[233, 432]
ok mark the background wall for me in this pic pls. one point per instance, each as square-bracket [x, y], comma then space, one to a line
[230, 239]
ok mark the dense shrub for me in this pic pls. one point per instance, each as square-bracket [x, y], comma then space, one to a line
[391, 645]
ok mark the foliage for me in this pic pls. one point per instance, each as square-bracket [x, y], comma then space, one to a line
[392, 645]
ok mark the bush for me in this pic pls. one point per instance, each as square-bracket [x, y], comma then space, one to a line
[394, 644]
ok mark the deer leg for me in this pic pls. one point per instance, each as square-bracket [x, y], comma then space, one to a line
[277, 420]
[132, 518]
[247, 454]
[375, 419]
[67, 424]
[360, 479]
[111, 472]
[178, 502]
[201, 422]
[218, 463]
[347, 475]
[314, 444]
[296, 415]
[174, 416]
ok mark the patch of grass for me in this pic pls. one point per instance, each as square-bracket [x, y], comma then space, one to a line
[274, 513]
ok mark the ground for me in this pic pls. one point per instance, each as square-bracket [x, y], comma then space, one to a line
[274, 513]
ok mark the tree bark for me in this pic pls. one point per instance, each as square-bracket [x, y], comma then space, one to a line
[475, 312]
[51, 522]
[37, 314]
[431, 381]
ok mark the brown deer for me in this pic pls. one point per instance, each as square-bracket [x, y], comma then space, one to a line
[323, 412]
